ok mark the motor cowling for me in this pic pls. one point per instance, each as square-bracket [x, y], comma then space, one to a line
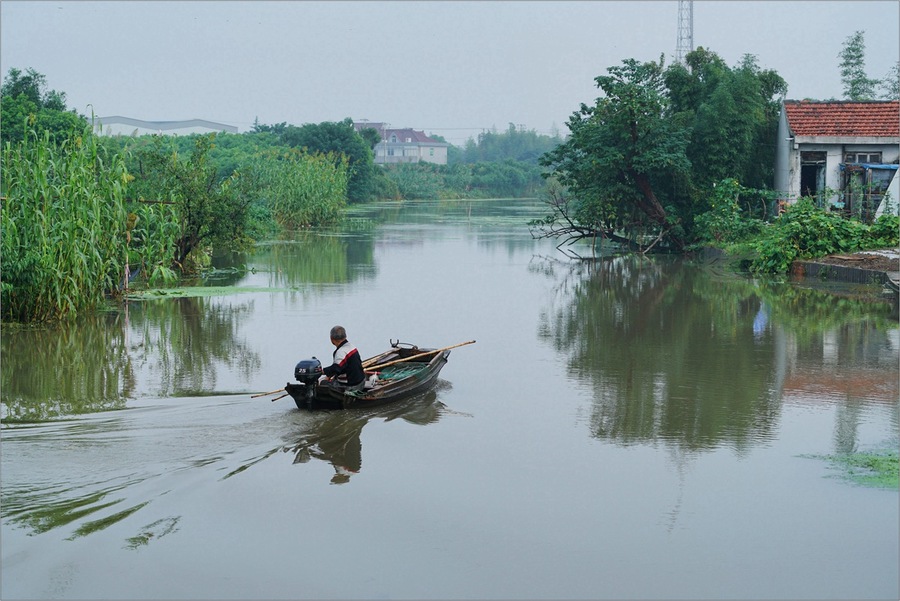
[308, 371]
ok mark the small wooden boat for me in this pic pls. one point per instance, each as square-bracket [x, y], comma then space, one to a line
[400, 372]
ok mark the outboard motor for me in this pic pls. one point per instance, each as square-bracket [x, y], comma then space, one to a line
[308, 371]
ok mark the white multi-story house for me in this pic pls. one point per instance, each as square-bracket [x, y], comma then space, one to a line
[842, 153]
[405, 145]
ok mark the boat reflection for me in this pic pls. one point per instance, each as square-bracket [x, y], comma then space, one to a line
[335, 438]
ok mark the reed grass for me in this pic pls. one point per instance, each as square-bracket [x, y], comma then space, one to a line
[304, 189]
[62, 226]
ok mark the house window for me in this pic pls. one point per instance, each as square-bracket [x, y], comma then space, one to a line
[863, 157]
[394, 138]
[431, 151]
[864, 187]
[390, 152]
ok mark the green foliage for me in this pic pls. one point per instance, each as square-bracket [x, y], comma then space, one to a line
[884, 233]
[732, 114]
[151, 241]
[25, 104]
[417, 180]
[878, 469]
[625, 153]
[505, 179]
[302, 189]
[890, 85]
[513, 144]
[210, 210]
[731, 218]
[645, 160]
[371, 136]
[338, 137]
[857, 85]
[805, 231]
[63, 223]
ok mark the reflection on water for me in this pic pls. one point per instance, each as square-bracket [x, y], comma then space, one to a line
[54, 482]
[673, 436]
[677, 353]
[336, 438]
[316, 258]
[66, 368]
[173, 347]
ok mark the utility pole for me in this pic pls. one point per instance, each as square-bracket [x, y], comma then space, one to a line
[685, 30]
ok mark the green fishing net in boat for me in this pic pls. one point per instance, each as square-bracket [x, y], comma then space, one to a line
[401, 370]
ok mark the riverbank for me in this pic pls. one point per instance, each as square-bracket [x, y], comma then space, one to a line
[864, 267]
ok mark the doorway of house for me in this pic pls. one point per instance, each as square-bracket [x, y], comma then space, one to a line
[812, 174]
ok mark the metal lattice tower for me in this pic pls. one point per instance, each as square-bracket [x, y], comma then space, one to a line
[685, 30]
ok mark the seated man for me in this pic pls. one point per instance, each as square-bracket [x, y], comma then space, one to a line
[347, 366]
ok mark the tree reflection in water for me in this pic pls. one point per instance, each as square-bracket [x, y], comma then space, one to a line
[171, 347]
[678, 353]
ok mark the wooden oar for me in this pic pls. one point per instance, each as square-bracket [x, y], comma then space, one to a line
[253, 396]
[446, 348]
[280, 397]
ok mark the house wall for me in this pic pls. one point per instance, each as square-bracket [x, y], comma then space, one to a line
[399, 152]
[788, 166]
[435, 154]
[783, 153]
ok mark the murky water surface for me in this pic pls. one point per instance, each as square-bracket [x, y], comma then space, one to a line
[624, 429]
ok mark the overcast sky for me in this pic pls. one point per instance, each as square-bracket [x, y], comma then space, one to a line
[451, 68]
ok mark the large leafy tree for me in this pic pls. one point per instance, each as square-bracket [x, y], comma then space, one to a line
[339, 137]
[857, 85]
[210, 210]
[733, 116]
[26, 103]
[624, 155]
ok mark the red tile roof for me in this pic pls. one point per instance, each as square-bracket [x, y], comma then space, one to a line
[409, 134]
[868, 119]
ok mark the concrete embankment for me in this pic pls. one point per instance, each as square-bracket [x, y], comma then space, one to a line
[846, 271]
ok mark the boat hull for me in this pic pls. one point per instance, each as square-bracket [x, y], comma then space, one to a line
[413, 371]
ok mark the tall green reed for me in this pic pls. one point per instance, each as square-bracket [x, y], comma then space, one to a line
[304, 189]
[62, 226]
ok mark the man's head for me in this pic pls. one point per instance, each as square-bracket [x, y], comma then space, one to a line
[338, 334]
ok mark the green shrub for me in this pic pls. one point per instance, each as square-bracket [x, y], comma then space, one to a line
[726, 221]
[804, 231]
[884, 233]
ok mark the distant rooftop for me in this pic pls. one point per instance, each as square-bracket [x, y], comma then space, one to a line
[166, 126]
[404, 134]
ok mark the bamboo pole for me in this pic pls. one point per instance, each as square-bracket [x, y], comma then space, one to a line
[446, 348]
[372, 360]
[253, 396]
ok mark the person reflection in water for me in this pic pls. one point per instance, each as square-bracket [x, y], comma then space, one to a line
[336, 441]
[347, 367]
[336, 438]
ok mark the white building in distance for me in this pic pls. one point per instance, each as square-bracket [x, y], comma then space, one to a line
[126, 126]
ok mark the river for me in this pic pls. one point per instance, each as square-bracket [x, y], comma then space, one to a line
[632, 428]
